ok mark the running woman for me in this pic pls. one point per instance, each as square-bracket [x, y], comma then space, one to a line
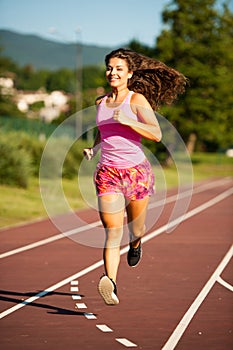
[123, 178]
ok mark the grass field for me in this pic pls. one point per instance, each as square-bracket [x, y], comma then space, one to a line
[19, 205]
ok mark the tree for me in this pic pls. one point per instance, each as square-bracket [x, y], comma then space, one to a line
[63, 79]
[142, 48]
[7, 65]
[198, 42]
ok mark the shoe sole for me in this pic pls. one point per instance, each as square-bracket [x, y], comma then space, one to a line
[106, 290]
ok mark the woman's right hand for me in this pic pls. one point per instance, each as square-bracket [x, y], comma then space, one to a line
[88, 153]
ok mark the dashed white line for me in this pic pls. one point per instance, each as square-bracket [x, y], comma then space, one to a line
[126, 342]
[74, 283]
[81, 306]
[104, 328]
[90, 316]
[76, 297]
[74, 289]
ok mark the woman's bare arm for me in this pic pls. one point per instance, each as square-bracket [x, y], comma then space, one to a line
[148, 125]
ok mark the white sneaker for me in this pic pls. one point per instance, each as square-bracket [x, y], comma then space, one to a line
[108, 291]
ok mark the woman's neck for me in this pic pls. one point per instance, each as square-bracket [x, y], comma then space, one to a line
[119, 94]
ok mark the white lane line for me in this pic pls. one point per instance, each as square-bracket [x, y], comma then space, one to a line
[90, 316]
[189, 214]
[122, 251]
[74, 289]
[81, 306]
[126, 342]
[50, 239]
[104, 328]
[170, 199]
[184, 194]
[224, 283]
[183, 324]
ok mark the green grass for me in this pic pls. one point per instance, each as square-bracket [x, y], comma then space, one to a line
[205, 165]
[19, 205]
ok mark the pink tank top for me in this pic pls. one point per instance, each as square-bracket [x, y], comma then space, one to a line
[120, 145]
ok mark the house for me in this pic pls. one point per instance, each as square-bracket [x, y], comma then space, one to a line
[54, 103]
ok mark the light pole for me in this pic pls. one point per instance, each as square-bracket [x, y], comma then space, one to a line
[78, 77]
[79, 83]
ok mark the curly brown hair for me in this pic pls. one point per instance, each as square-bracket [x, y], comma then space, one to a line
[159, 83]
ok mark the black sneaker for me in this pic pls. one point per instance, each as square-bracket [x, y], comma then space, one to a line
[134, 255]
[108, 290]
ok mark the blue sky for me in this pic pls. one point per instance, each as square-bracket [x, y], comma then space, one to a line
[100, 22]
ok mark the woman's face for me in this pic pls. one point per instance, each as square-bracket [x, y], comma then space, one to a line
[117, 72]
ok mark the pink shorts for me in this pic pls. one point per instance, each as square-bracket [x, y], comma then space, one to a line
[134, 183]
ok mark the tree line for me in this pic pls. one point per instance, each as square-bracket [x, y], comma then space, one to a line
[197, 40]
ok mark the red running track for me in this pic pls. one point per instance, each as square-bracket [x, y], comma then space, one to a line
[179, 297]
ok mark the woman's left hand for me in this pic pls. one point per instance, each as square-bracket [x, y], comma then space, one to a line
[120, 117]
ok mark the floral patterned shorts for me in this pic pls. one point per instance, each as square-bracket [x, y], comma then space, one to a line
[134, 183]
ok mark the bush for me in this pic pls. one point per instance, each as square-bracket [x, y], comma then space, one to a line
[34, 148]
[20, 157]
[73, 159]
[15, 164]
[62, 158]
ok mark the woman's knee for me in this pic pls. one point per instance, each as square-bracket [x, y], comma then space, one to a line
[138, 231]
[113, 236]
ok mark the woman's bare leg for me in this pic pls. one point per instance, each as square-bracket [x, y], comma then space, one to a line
[136, 212]
[112, 209]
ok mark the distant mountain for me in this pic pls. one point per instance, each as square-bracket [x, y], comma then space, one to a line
[44, 54]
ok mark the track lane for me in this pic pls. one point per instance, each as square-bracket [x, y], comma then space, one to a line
[161, 277]
[162, 229]
[46, 228]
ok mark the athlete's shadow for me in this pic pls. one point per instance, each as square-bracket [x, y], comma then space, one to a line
[54, 309]
[31, 294]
